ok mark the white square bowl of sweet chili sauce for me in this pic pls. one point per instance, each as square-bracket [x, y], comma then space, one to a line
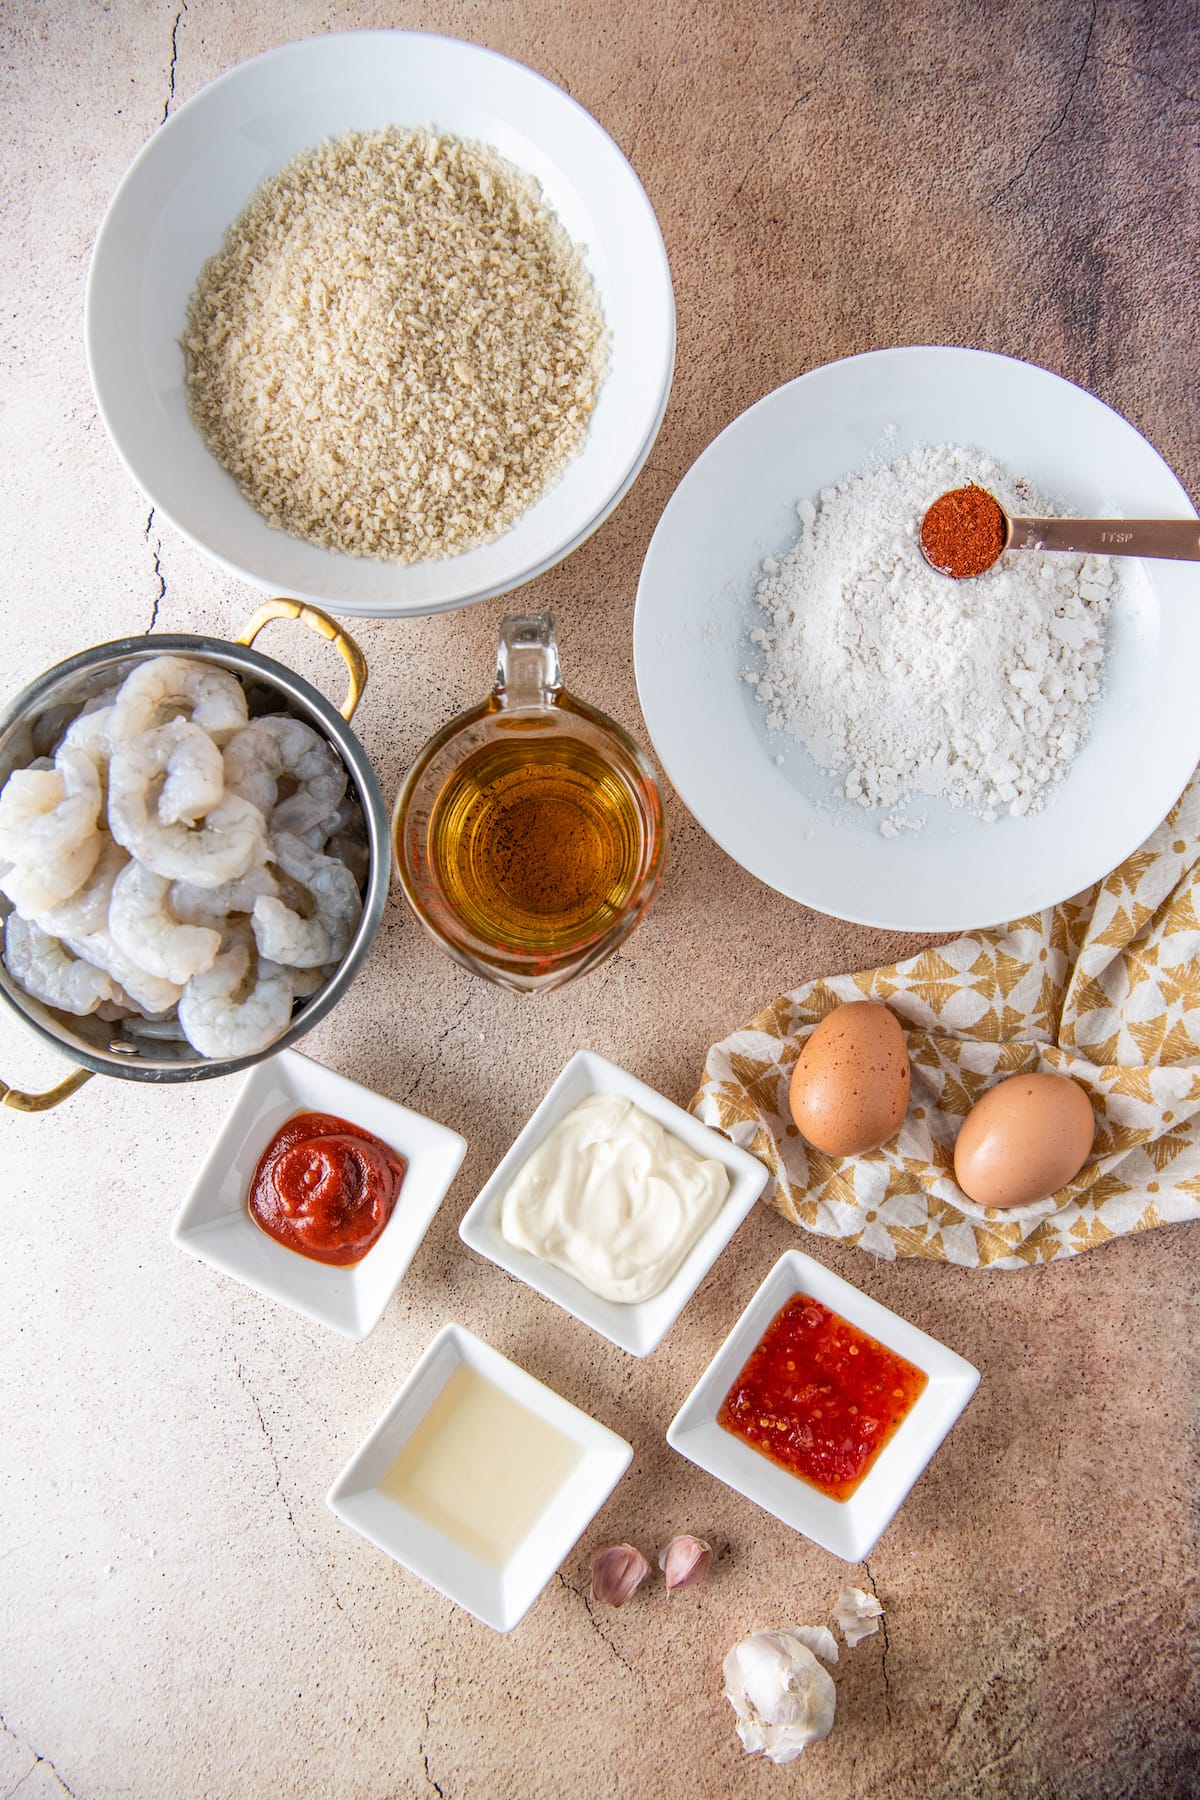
[609, 1205]
[324, 1198]
[823, 1407]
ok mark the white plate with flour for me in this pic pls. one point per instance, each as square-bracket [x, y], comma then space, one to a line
[197, 174]
[761, 795]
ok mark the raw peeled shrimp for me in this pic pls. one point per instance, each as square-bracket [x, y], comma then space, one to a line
[90, 732]
[353, 851]
[306, 982]
[159, 1031]
[87, 909]
[195, 777]
[48, 809]
[155, 945]
[146, 992]
[213, 906]
[238, 1006]
[143, 927]
[346, 823]
[48, 831]
[187, 760]
[282, 934]
[34, 890]
[114, 1012]
[41, 965]
[343, 835]
[172, 686]
[233, 833]
[278, 748]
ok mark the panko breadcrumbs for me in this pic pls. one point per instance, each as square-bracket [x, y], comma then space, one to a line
[398, 348]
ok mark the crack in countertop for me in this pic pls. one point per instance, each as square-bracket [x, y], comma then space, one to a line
[887, 1686]
[1110, 62]
[39, 1761]
[801, 95]
[431, 1057]
[599, 1629]
[1064, 112]
[173, 62]
[427, 1712]
[156, 552]
[306, 1550]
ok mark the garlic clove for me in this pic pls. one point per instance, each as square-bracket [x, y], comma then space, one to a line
[617, 1572]
[856, 1614]
[685, 1561]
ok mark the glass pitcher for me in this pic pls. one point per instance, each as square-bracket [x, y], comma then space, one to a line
[529, 834]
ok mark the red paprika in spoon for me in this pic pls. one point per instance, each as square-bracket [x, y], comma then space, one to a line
[964, 532]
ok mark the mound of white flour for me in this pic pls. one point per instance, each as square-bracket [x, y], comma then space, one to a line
[914, 684]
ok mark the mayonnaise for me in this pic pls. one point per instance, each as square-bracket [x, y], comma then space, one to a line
[613, 1199]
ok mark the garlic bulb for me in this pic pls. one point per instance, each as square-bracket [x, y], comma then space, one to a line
[685, 1561]
[617, 1572]
[857, 1614]
[784, 1699]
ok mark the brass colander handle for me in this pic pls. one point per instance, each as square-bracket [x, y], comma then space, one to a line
[35, 1103]
[325, 627]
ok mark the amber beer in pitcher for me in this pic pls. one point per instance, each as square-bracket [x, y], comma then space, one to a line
[529, 833]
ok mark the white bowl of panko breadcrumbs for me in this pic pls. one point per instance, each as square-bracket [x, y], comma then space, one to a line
[382, 320]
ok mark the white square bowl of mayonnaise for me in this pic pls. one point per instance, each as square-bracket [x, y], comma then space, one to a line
[640, 1325]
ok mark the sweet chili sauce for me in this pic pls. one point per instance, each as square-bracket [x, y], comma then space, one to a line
[325, 1188]
[820, 1397]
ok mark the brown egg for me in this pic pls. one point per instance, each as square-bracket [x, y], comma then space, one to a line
[1026, 1138]
[849, 1087]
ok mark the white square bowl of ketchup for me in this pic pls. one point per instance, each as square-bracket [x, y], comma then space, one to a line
[215, 1225]
[852, 1525]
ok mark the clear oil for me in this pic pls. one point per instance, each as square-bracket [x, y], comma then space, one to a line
[480, 1467]
[536, 843]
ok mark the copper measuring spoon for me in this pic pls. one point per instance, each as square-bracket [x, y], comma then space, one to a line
[984, 531]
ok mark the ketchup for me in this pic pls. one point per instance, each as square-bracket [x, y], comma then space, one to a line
[820, 1397]
[325, 1189]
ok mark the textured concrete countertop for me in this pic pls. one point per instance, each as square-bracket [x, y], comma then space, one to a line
[181, 1614]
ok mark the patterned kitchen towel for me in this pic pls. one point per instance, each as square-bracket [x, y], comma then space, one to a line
[1105, 988]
